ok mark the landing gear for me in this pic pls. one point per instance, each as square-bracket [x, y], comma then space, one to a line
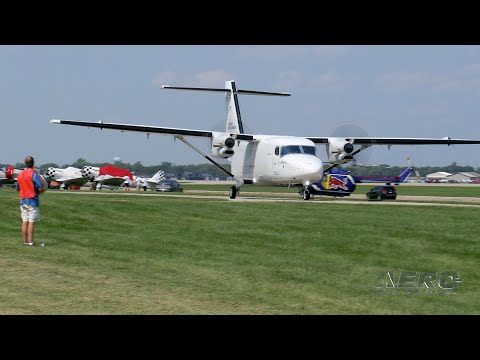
[306, 195]
[233, 192]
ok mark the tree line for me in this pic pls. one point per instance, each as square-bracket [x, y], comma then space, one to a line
[139, 169]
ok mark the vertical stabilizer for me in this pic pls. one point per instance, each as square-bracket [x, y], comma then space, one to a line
[234, 119]
[405, 174]
[159, 176]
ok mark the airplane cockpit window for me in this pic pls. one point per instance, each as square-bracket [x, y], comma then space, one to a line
[290, 149]
[309, 150]
[297, 149]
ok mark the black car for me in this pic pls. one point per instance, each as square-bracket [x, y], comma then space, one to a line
[382, 192]
[168, 185]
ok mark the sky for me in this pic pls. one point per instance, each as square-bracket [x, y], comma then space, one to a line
[371, 90]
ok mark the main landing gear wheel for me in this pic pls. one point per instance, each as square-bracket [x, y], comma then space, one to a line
[233, 192]
[306, 195]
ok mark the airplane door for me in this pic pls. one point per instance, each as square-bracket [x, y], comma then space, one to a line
[276, 161]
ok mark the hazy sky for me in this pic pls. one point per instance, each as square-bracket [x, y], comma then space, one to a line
[391, 91]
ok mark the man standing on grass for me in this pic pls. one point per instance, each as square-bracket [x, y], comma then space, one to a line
[30, 186]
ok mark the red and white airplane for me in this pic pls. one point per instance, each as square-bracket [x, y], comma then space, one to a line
[8, 175]
[267, 159]
[107, 175]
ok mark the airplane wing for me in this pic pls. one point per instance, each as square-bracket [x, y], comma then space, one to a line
[113, 181]
[73, 181]
[396, 141]
[209, 134]
[147, 129]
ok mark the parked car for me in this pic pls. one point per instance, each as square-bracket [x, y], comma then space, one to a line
[168, 185]
[382, 192]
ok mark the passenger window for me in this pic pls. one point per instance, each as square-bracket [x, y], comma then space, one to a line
[277, 150]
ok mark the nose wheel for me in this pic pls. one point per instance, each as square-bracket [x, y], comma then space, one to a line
[306, 195]
[233, 192]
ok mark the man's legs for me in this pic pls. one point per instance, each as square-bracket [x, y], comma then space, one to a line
[30, 231]
[25, 231]
[30, 215]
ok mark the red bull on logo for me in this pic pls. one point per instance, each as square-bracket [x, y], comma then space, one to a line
[335, 183]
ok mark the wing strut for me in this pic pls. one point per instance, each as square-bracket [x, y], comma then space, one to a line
[205, 156]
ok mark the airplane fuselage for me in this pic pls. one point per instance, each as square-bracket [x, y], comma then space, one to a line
[279, 160]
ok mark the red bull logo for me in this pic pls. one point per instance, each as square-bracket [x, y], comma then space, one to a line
[335, 183]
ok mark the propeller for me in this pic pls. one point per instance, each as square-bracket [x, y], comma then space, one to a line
[347, 130]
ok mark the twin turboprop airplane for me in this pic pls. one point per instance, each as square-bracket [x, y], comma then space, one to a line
[267, 159]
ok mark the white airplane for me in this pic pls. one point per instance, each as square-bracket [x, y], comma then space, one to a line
[152, 182]
[8, 175]
[69, 176]
[267, 159]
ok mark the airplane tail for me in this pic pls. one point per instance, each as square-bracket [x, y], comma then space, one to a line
[405, 174]
[159, 176]
[234, 123]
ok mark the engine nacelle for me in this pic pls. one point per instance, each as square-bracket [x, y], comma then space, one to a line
[339, 150]
[222, 146]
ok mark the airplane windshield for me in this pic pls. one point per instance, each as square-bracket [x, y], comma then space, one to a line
[309, 150]
[297, 149]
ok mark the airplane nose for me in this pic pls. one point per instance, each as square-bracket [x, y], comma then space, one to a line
[313, 169]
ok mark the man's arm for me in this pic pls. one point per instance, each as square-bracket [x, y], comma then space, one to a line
[38, 183]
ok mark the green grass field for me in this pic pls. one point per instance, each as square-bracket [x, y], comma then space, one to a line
[119, 254]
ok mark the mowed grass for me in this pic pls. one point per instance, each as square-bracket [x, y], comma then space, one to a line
[119, 254]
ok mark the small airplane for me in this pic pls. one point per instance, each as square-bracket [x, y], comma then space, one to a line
[110, 176]
[151, 183]
[70, 176]
[8, 175]
[267, 159]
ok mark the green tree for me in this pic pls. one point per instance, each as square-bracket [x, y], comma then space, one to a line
[80, 163]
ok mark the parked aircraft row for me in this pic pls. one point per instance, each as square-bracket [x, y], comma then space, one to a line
[106, 176]
[268, 159]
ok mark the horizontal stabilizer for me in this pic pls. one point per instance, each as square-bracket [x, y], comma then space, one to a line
[243, 92]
